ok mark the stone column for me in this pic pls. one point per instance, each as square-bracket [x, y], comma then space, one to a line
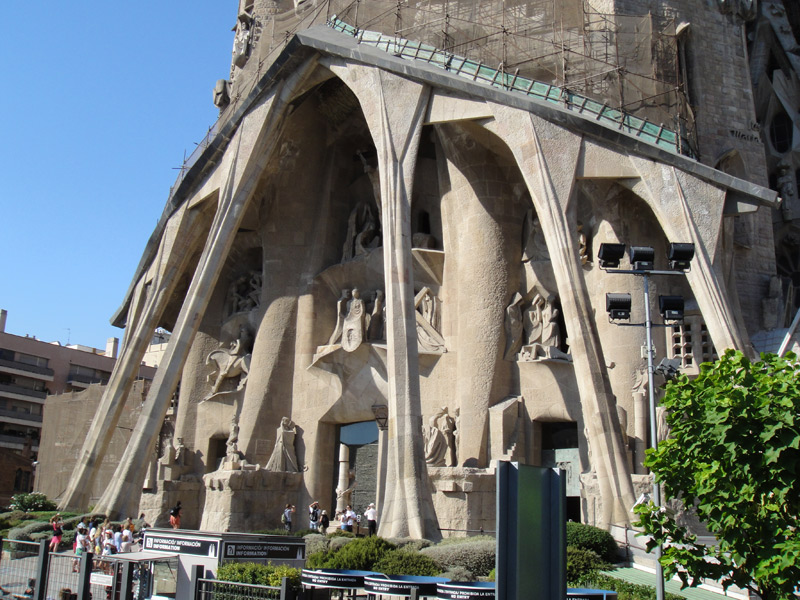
[394, 109]
[380, 487]
[690, 210]
[547, 156]
[343, 499]
[146, 309]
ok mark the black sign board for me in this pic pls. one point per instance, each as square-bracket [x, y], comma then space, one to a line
[389, 586]
[290, 549]
[179, 544]
[466, 591]
[335, 578]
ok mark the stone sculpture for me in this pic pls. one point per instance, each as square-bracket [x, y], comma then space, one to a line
[534, 246]
[230, 362]
[513, 326]
[341, 313]
[244, 294]
[283, 455]
[221, 93]
[427, 322]
[582, 245]
[376, 319]
[354, 324]
[362, 232]
[786, 188]
[440, 439]
[241, 42]
[543, 333]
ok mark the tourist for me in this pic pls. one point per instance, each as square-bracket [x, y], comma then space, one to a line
[57, 524]
[324, 522]
[349, 519]
[286, 518]
[81, 547]
[313, 515]
[127, 540]
[175, 516]
[118, 538]
[108, 545]
[372, 519]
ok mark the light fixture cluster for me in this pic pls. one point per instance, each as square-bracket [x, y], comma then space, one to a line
[642, 261]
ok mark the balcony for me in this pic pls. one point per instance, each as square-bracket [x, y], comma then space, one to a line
[16, 366]
[20, 415]
[18, 390]
[16, 442]
[83, 381]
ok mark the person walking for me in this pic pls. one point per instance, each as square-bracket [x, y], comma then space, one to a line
[57, 524]
[286, 519]
[324, 523]
[372, 519]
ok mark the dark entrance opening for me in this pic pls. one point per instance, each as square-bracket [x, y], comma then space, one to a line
[560, 449]
[362, 441]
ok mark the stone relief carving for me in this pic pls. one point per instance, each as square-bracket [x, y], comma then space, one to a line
[513, 325]
[283, 455]
[354, 325]
[244, 294]
[786, 188]
[429, 338]
[534, 246]
[230, 362]
[362, 232]
[222, 94]
[745, 10]
[542, 331]
[440, 438]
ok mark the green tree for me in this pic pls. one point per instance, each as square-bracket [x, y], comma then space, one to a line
[732, 456]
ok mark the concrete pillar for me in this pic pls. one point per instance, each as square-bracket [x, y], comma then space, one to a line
[112, 346]
[547, 155]
[380, 487]
[343, 499]
[394, 109]
[3, 317]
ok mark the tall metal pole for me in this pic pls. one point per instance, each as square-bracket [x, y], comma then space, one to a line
[653, 426]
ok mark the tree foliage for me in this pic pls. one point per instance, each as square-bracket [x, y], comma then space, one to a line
[732, 457]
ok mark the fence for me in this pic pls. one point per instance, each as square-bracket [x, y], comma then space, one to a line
[210, 589]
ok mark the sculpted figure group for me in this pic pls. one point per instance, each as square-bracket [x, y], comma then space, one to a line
[354, 324]
[441, 439]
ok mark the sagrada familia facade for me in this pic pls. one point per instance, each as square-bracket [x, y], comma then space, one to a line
[395, 225]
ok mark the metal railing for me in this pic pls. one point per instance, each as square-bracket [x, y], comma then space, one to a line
[476, 71]
[20, 366]
[211, 589]
[22, 391]
[18, 568]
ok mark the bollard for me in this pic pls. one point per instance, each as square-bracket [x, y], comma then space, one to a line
[84, 584]
[42, 566]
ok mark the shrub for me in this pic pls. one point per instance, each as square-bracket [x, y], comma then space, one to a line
[13, 518]
[316, 560]
[31, 527]
[31, 502]
[625, 590]
[410, 543]
[406, 562]
[359, 554]
[582, 563]
[592, 538]
[462, 574]
[341, 533]
[492, 575]
[477, 557]
[304, 532]
[67, 540]
[256, 574]
[19, 533]
[467, 540]
[316, 542]
[338, 542]
[280, 531]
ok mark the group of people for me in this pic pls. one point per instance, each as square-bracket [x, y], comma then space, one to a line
[318, 519]
[98, 538]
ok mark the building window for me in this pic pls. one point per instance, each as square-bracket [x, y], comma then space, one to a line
[691, 342]
[780, 132]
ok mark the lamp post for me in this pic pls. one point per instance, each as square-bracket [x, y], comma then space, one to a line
[618, 307]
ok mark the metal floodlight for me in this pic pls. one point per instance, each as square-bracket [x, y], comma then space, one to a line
[669, 368]
[381, 413]
[671, 307]
[610, 255]
[618, 306]
[679, 256]
[642, 258]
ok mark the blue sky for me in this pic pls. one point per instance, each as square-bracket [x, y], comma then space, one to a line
[99, 103]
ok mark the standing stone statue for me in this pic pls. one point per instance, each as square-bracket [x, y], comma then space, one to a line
[376, 320]
[448, 428]
[241, 42]
[440, 439]
[551, 332]
[362, 232]
[341, 313]
[532, 321]
[354, 323]
[283, 455]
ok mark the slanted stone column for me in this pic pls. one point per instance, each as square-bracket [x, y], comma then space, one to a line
[145, 311]
[547, 156]
[394, 109]
[690, 210]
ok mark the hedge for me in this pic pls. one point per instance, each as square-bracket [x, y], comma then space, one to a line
[477, 557]
[406, 562]
[592, 538]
